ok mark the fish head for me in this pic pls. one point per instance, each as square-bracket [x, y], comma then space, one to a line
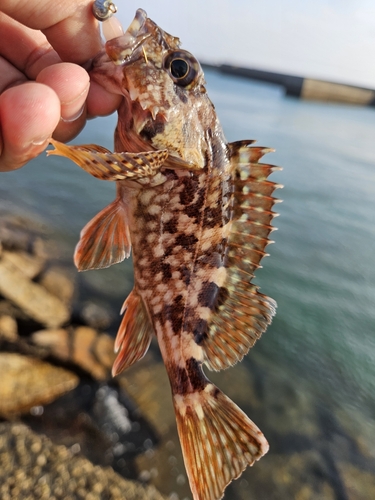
[165, 102]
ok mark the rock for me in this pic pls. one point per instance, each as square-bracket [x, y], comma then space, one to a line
[84, 352]
[31, 297]
[7, 308]
[148, 385]
[33, 467]
[29, 265]
[360, 484]
[96, 316]
[104, 350]
[299, 476]
[83, 346]
[359, 428]
[39, 248]
[14, 239]
[8, 328]
[28, 382]
[163, 467]
[59, 282]
[56, 340]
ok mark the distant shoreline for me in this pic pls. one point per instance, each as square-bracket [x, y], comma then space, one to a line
[301, 87]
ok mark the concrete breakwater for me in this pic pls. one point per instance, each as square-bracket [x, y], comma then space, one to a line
[304, 88]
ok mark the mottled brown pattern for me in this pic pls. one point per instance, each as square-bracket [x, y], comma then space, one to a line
[198, 226]
[189, 379]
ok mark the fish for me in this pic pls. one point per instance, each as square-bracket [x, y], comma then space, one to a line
[196, 212]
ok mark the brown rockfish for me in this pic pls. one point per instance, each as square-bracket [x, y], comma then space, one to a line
[197, 211]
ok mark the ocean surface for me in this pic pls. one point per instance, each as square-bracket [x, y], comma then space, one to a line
[321, 271]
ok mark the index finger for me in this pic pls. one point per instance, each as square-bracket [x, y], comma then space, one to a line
[69, 25]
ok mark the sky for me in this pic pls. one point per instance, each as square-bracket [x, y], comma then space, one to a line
[326, 39]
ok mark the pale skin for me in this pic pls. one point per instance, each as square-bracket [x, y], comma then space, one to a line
[44, 89]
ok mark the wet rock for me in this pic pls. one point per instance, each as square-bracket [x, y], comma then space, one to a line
[60, 283]
[104, 350]
[299, 476]
[28, 264]
[360, 484]
[148, 385]
[28, 382]
[14, 239]
[361, 429]
[39, 248]
[83, 353]
[7, 308]
[33, 467]
[56, 340]
[238, 385]
[31, 297]
[8, 328]
[163, 466]
[96, 316]
[84, 346]
[19, 232]
[116, 418]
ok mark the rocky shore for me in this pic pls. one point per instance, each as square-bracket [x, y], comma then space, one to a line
[65, 431]
[68, 431]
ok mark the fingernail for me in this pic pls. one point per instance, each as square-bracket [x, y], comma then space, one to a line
[74, 116]
[39, 141]
[72, 110]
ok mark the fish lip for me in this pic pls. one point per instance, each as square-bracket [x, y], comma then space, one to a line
[123, 50]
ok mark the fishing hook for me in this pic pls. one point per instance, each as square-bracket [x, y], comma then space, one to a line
[103, 9]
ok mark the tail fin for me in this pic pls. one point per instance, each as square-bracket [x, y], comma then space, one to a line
[218, 440]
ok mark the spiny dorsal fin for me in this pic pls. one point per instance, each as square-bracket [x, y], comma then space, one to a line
[104, 165]
[218, 440]
[105, 240]
[134, 335]
[242, 313]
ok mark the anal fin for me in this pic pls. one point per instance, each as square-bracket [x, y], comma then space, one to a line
[134, 335]
[218, 440]
[105, 240]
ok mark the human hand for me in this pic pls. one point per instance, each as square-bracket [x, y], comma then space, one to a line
[40, 95]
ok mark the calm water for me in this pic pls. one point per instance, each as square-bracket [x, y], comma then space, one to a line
[322, 266]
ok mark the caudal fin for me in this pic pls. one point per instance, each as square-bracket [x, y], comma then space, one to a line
[218, 441]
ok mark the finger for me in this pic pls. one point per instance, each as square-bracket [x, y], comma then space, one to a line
[100, 102]
[71, 83]
[27, 49]
[9, 75]
[29, 114]
[69, 25]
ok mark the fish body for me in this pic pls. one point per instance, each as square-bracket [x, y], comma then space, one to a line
[196, 212]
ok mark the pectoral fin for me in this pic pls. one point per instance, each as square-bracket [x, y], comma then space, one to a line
[108, 166]
[105, 240]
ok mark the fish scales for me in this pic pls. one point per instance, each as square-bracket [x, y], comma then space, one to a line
[196, 212]
[185, 220]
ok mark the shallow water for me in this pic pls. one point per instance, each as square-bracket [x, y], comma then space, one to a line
[321, 345]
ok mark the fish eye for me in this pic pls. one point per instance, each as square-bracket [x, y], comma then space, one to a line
[182, 67]
[179, 68]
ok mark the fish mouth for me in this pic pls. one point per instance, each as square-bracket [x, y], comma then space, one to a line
[127, 48]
